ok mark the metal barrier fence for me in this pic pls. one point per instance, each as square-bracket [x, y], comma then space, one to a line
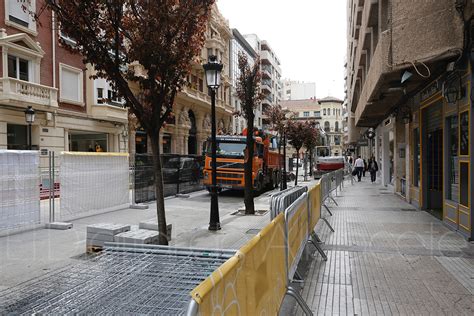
[125, 279]
[181, 174]
[280, 201]
[260, 275]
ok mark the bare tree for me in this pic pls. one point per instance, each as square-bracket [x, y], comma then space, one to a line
[250, 96]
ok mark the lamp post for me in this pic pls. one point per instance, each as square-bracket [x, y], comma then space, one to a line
[213, 77]
[30, 119]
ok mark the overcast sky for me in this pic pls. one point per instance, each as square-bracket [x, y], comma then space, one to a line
[309, 37]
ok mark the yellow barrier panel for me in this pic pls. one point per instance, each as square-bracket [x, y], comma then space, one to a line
[297, 233]
[315, 206]
[253, 282]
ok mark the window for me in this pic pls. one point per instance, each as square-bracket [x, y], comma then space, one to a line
[17, 14]
[337, 140]
[17, 137]
[324, 111]
[71, 84]
[317, 113]
[327, 127]
[100, 95]
[113, 96]
[416, 157]
[306, 114]
[336, 127]
[333, 111]
[18, 68]
[452, 190]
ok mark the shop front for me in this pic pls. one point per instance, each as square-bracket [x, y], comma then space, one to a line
[441, 152]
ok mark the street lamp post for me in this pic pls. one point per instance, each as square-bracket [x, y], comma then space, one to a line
[213, 77]
[30, 119]
[284, 184]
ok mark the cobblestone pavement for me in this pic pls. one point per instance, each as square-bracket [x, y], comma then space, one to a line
[388, 258]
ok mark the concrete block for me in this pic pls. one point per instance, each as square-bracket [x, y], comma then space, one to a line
[101, 237]
[153, 225]
[58, 226]
[140, 236]
[138, 206]
[107, 229]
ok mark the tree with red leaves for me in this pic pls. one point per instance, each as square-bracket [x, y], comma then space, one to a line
[278, 118]
[145, 49]
[250, 96]
[299, 134]
[310, 142]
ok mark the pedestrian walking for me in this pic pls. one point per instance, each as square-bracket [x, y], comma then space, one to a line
[350, 160]
[365, 168]
[373, 168]
[359, 166]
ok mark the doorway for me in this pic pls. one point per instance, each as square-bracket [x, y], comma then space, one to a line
[192, 146]
[432, 161]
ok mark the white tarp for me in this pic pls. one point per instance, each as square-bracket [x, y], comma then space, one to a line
[92, 183]
[19, 188]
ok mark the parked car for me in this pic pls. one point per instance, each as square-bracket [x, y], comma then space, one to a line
[183, 169]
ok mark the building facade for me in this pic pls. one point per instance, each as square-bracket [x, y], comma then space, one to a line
[271, 77]
[409, 76]
[297, 90]
[240, 46]
[38, 71]
[190, 127]
[327, 113]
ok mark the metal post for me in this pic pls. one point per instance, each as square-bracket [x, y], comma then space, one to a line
[54, 195]
[178, 173]
[284, 164]
[214, 223]
[51, 188]
[29, 137]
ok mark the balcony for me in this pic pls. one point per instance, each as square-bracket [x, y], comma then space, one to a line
[266, 72]
[266, 86]
[266, 57]
[23, 93]
[111, 112]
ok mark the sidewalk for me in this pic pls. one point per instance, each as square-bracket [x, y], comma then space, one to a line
[386, 257]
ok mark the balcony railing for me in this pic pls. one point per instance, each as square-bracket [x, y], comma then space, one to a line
[15, 92]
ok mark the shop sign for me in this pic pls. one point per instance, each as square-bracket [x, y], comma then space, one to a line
[431, 90]
[363, 142]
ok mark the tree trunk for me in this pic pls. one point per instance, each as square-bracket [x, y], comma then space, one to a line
[297, 165]
[310, 162]
[249, 190]
[160, 201]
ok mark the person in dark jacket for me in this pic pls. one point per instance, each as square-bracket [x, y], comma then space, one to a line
[373, 168]
[365, 168]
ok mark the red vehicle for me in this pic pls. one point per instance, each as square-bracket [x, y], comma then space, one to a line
[325, 162]
[230, 163]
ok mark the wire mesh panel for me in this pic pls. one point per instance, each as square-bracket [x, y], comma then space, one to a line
[124, 280]
[93, 182]
[19, 188]
[181, 174]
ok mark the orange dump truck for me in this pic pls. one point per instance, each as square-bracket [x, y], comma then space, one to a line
[230, 163]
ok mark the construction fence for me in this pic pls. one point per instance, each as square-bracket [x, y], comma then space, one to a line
[150, 279]
[38, 188]
[258, 277]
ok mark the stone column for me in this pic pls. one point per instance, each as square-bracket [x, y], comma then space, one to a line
[131, 142]
[66, 139]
